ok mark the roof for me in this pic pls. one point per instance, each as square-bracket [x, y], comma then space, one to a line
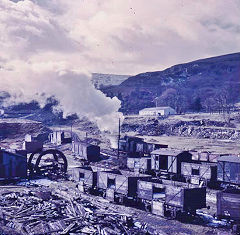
[85, 144]
[234, 159]
[132, 174]
[156, 108]
[167, 152]
[124, 173]
[89, 168]
[136, 157]
[152, 180]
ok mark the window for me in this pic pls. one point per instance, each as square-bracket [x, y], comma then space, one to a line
[158, 192]
[163, 162]
[195, 171]
[111, 183]
[81, 176]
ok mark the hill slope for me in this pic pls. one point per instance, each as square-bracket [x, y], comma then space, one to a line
[199, 84]
[104, 80]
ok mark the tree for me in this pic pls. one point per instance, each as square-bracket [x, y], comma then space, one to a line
[209, 104]
[173, 98]
[197, 106]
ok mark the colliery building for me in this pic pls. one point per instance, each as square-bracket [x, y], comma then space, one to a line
[12, 166]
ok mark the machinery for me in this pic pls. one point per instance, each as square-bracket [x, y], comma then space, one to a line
[51, 162]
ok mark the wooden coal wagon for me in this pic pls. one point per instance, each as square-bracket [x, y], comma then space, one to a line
[86, 178]
[170, 200]
[228, 204]
[119, 186]
[87, 151]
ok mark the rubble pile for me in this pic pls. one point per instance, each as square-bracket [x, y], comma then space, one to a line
[43, 212]
[196, 128]
[207, 132]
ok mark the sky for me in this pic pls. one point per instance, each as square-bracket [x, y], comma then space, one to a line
[51, 47]
[118, 36]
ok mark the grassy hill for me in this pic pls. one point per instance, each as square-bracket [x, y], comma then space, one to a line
[208, 84]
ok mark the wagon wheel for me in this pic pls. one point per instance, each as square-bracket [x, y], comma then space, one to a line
[51, 161]
[31, 162]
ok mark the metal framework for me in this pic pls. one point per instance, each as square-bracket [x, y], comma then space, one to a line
[51, 161]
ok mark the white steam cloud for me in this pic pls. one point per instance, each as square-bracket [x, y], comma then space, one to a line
[73, 89]
[37, 61]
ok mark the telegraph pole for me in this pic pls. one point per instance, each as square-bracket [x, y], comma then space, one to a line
[119, 136]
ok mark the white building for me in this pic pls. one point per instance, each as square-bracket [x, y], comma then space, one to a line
[1, 112]
[157, 111]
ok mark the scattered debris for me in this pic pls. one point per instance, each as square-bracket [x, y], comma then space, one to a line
[43, 211]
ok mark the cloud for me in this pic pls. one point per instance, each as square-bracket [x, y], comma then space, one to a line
[133, 36]
[45, 43]
[126, 37]
[28, 29]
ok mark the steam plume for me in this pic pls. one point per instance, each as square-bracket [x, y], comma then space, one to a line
[73, 89]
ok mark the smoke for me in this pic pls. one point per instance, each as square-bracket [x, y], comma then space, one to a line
[39, 59]
[72, 88]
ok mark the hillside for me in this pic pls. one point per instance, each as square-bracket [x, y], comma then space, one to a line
[104, 80]
[198, 85]
[18, 128]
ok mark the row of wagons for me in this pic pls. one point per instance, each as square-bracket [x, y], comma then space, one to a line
[161, 197]
[188, 166]
[164, 198]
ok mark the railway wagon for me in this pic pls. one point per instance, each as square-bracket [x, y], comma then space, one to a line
[86, 178]
[119, 186]
[142, 165]
[12, 166]
[132, 144]
[179, 199]
[89, 152]
[197, 172]
[169, 160]
[228, 169]
[228, 204]
[133, 163]
[145, 165]
[149, 190]
[168, 199]
[147, 147]
[129, 144]
[205, 156]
